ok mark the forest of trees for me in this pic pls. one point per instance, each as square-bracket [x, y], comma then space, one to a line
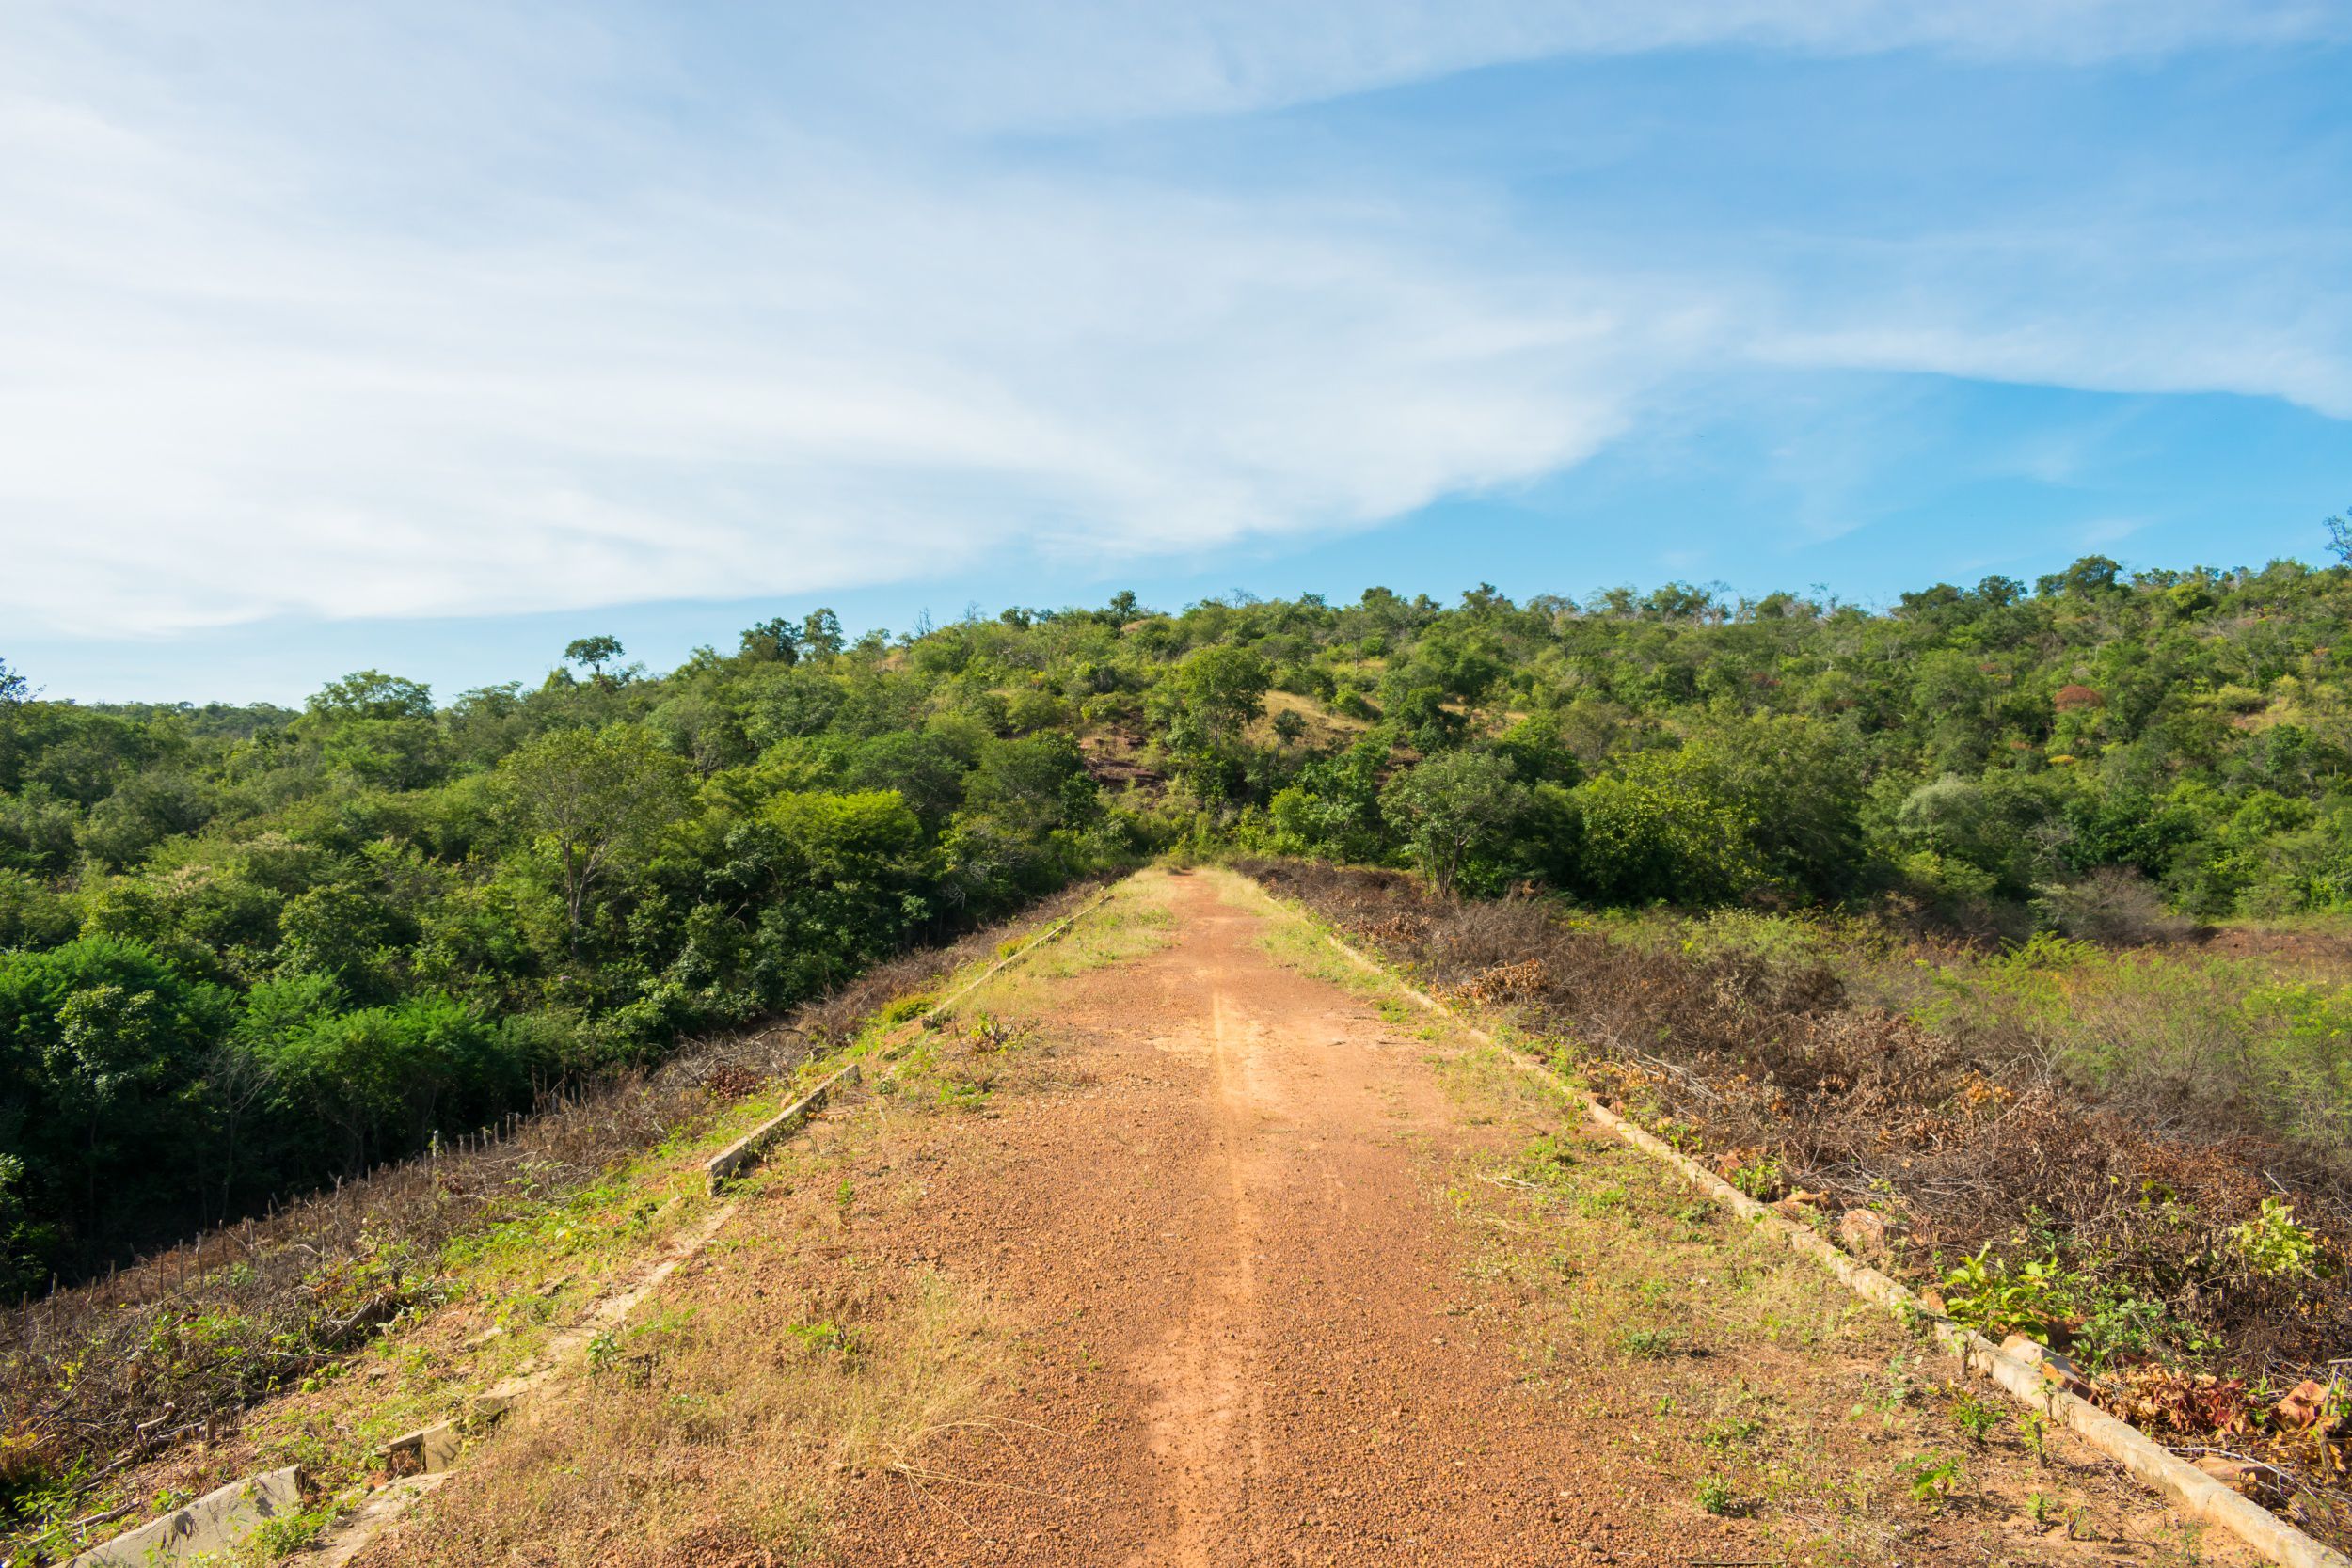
[242, 949]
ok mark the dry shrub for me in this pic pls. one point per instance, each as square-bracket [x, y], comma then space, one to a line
[1971, 1133]
[2117, 906]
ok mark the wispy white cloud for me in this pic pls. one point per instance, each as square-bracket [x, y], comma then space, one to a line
[423, 310]
[1048, 62]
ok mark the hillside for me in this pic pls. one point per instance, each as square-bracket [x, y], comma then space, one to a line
[301, 944]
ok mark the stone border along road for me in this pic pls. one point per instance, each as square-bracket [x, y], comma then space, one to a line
[746, 1151]
[2147, 1460]
[169, 1539]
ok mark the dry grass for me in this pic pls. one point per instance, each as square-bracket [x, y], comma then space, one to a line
[721, 1428]
[101, 1382]
[1964, 1137]
[1712, 1355]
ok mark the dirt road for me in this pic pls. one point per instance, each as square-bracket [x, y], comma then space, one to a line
[1265, 1271]
[1250, 1340]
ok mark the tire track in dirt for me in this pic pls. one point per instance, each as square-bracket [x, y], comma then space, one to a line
[1212, 1208]
[1208, 1420]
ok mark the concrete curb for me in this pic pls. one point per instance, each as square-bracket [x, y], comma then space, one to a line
[215, 1523]
[2184, 1486]
[747, 1150]
[941, 1009]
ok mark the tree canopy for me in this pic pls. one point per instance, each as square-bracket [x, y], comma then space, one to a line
[242, 949]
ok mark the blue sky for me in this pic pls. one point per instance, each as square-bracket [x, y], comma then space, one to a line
[429, 336]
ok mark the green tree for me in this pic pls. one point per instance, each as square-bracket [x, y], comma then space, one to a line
[773, 641]
[593, 653]
[1452, 809]
[378, 727]
[1218, 691]
[371, 695]
[1656, 833]
[820, 634]
[594, 801]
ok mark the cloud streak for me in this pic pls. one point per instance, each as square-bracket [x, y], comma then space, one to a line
[322, 315]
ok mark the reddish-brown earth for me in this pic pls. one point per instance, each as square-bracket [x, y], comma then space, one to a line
[1253, 1299]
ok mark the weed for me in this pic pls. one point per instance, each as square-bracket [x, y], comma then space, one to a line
[2034, 1427]
[955, 1094]
[1930, 1476]
[902, 1008]
[1605, 1201]
[2039, 1507]
[1715, 1495]
[825, 1337]
[1724, 1435]
[1762, 1178]
[1652, 1344]
[1547, 1160]
[2274, 1245]
[1976, 1417]
[1986, 1294]
[1893, 1392]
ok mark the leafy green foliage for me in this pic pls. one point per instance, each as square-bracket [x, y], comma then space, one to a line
[1930, 1477]
[244, 949]
[1454, 810]
[2274, 1245]
[1997, 1299]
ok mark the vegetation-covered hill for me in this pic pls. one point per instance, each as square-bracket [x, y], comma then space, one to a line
[242, 948]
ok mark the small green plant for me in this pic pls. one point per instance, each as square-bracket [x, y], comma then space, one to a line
[1762, 1178]
[1976, 1417]
[2274, 1245]
[2116, 1325]
[962, 1095]
[1930, 1476]
[1715, 1495]
[2039, 1507]
[1607, 1201]
[1892, 1393]
[1546, 1160]
[1985, 1294]
[1724, 1435]
[1651, 1344]
[902, 1008]
[2034, 1427]
[826, 1338]
[282, 1537]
